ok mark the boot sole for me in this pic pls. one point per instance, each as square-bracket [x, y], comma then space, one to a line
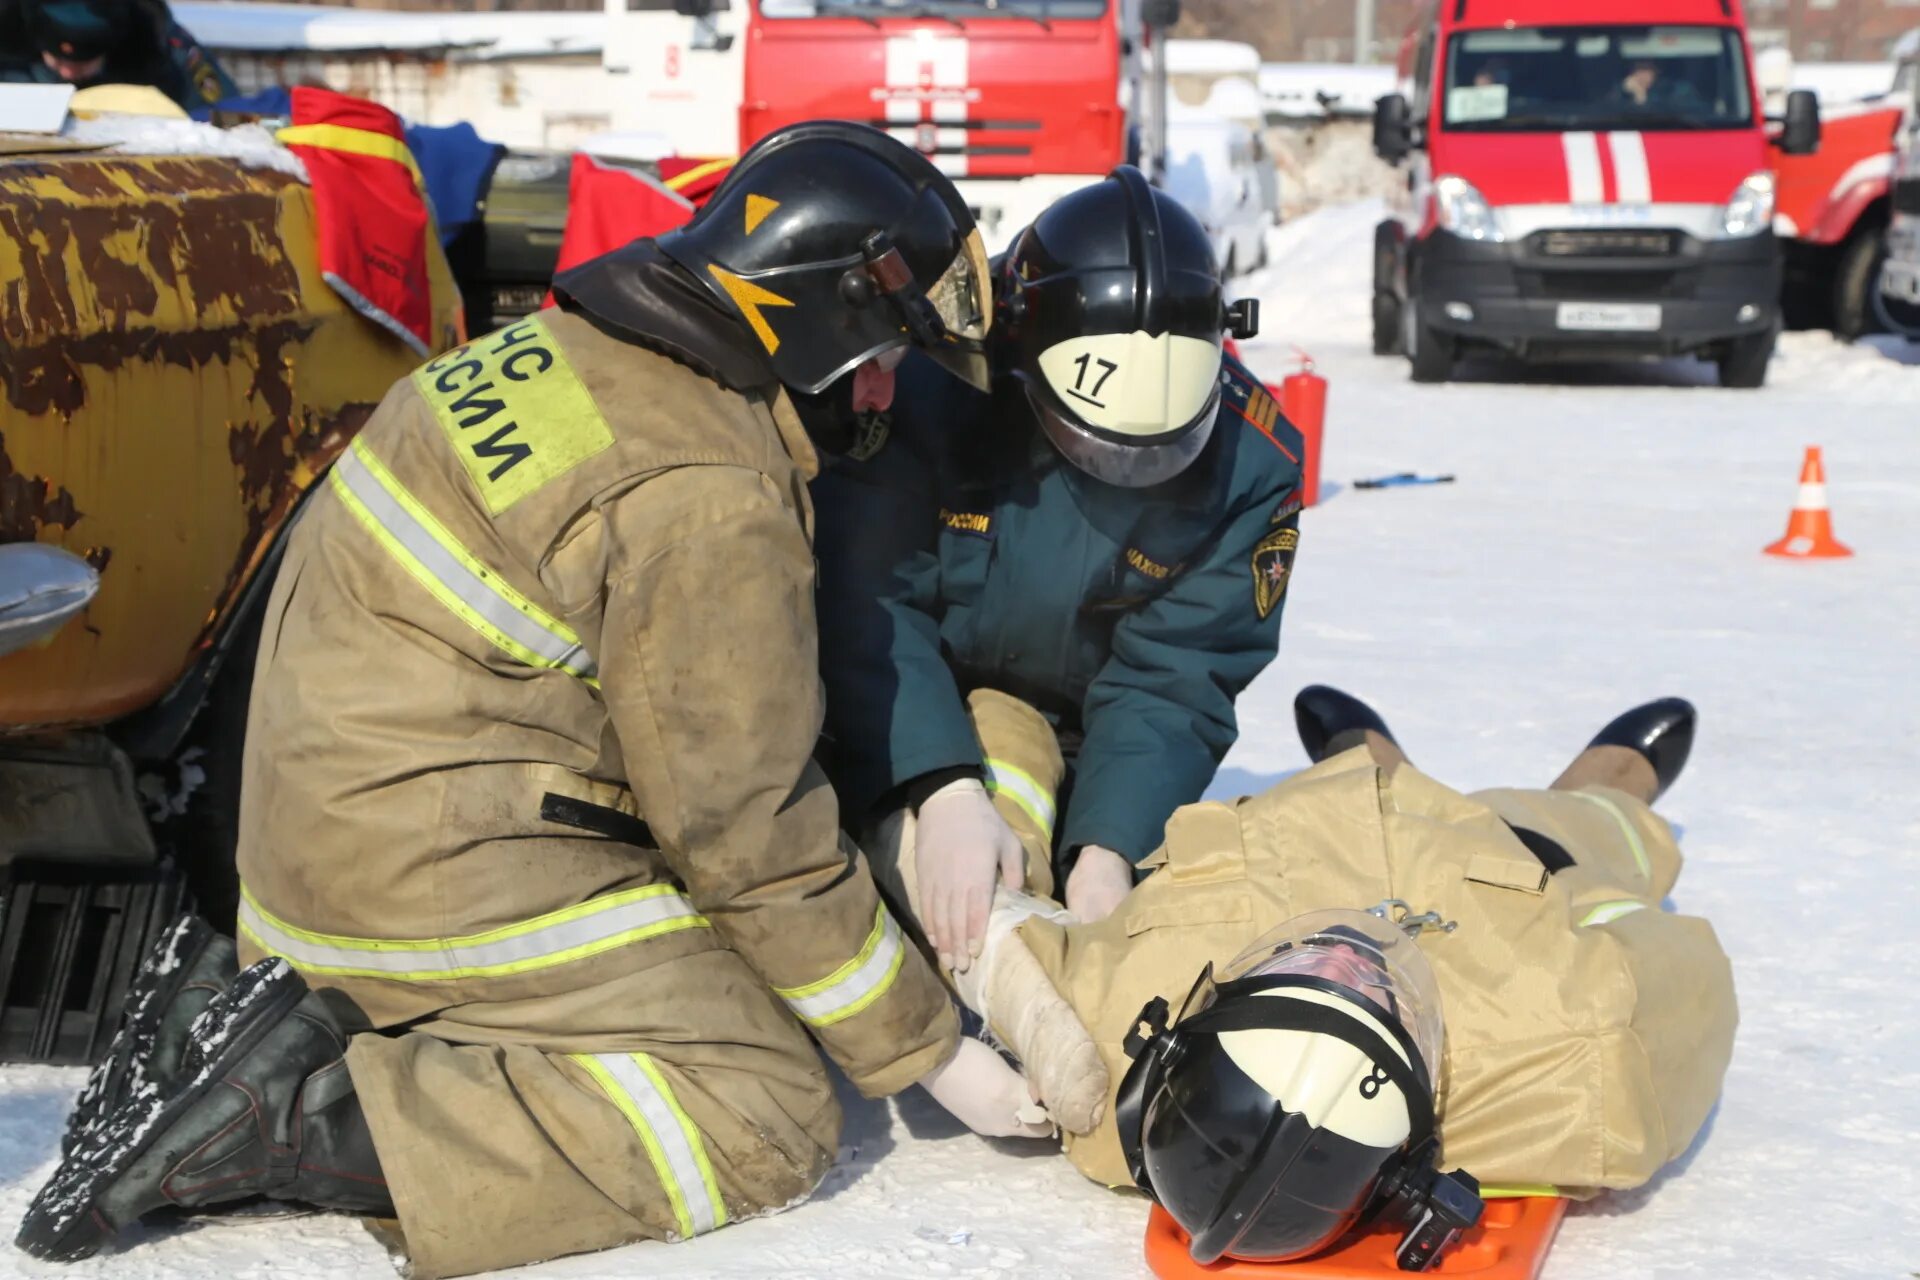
[65, 1222]
[155, 986]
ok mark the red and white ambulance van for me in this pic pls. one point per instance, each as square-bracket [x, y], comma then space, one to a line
[1584, 179]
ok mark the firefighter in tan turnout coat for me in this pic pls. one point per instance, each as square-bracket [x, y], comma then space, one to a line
[529, 801]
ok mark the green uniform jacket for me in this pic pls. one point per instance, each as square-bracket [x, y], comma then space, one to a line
[963, 552]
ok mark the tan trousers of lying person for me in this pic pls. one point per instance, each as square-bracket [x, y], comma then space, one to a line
[1587, 1028]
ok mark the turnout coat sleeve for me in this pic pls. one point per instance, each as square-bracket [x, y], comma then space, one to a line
[894, 710]
[1159, 716]
[708, 663]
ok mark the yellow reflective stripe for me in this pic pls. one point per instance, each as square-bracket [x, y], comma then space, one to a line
[433, 557]
[1610, 911]
[691, 1131]
[359, 142]
[636, 1087]
[1021, 787]
[1626, 829]
[856, 984]
[698, 172]
[559, 937]
[1518, 1190]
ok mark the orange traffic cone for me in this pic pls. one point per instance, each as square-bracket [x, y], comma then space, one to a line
[1810, 527]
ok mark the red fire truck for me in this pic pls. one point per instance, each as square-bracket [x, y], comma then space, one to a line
[1020, 101]
[1585, 178]
[1834, 205]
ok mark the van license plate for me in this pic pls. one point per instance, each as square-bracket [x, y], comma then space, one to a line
[1611, 317]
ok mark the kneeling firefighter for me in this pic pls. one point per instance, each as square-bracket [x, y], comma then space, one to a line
[543, 896]
[1106, 536]
[1408, 979]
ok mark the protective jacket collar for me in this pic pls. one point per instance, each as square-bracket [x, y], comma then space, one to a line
[639, 295]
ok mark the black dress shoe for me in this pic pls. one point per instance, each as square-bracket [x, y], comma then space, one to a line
[1662, 732]
[1331, 721]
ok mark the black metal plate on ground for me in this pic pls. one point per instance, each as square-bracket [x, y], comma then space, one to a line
[71, 940]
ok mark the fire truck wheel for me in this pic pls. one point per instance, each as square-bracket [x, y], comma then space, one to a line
[1386, 302]
[1853, 284]
[1386, 325]
[1744, 361]
[1429, 351]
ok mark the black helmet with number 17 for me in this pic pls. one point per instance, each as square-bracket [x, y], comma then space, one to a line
[1111, 311]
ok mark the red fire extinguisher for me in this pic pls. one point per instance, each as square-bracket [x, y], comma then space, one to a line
[1303, 398]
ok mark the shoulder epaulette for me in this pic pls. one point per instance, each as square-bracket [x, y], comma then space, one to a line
[1248, 397]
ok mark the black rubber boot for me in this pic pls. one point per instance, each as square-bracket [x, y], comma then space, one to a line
[185, 969]
[1662, 732]
[265, 1107]
[1331, 721]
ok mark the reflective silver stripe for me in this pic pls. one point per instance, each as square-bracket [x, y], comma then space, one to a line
[1024, 790]
[668, 1135]
[434, 554]
[856, 984]
[598, 925]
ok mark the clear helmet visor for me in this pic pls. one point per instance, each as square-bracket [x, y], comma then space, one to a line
[1125, 464]
[960, 299]
[1363, 953]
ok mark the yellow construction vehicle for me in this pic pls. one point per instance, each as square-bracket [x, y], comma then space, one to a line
[176, 377]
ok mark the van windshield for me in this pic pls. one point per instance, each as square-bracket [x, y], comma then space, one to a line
[1611, 77]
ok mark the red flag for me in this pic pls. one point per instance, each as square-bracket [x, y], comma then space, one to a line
[370, 208]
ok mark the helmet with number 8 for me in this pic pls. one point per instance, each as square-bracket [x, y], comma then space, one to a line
[1110, 311]
[1293, 1100]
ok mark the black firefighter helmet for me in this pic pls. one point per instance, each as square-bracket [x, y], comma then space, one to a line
[837, 244]
[1110, 311]
[1292, 1102]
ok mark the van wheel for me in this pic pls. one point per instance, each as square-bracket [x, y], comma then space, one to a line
[1428, 350]
[1386, 303]
[1744, 363]
[1853, 284]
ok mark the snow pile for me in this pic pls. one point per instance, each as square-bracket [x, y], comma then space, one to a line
[288, 28]
[1600, 547]
[251, 144]
[1328, 164]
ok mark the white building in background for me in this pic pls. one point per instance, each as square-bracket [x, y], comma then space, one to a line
[664, 81]
[530, 80]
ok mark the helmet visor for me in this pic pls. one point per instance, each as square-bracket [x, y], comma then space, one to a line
[1362, 953]
[960, 299]
[1125, 465]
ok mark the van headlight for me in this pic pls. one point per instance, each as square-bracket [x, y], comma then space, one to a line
[1751, 210]
[1460, 208]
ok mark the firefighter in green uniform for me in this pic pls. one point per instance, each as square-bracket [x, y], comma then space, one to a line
[1115, 553]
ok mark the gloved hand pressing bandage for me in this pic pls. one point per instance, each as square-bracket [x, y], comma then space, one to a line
[962, 846]
[982, 1092]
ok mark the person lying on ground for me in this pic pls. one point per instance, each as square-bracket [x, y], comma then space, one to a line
[1242, 1039]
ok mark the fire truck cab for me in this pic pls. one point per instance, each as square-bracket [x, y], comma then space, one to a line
[1584, 179]
[1018, 101]
[1900, 275]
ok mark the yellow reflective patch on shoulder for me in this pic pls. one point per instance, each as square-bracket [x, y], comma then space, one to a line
[515, 411]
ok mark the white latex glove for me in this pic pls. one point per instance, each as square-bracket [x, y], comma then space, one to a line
[961, 845]
[982, 1092]
[1099, 882]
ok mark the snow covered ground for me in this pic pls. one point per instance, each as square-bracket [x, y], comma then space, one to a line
[1600, 547]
